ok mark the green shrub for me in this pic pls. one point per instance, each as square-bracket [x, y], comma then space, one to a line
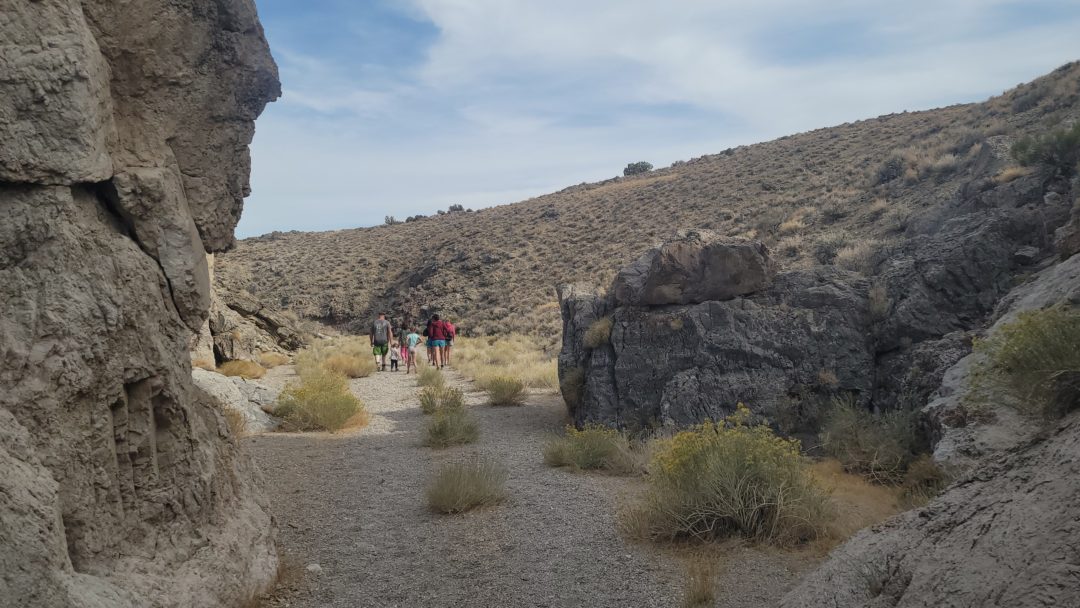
[504, 390]
[450, 427]
[637, 168]
[593, 447]
[1058, 150]
[244, 369]
[599, 333]
[459, 487]
[430, 376]
[435, 398]
[1033, 362]
[321, 401]
[729, 479]
[878, 447]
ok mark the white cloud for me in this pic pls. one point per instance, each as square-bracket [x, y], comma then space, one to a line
[517, 98]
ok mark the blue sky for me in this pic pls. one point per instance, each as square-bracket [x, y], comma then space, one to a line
[406, 107]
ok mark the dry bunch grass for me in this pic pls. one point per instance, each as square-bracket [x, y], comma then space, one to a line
[248, 370]
[462, 486]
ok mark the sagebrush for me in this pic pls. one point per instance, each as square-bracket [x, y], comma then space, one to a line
[504, 390]
[435, 398]
[1033, 363]
[450, 427]
[731, 478]
[877, 446]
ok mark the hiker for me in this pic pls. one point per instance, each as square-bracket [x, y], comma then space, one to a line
[395, 356]
[412, 341]
[404, 348]
[438, 333]
[381, 336]
[451, 333]
[427, 343]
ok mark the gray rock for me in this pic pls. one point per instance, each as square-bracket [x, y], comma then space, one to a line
[1026, 256]
[247, 397]
[697, 266]
[1005, 533]
[806, 335]
[125, 129]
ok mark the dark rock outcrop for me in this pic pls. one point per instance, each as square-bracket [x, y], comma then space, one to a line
[1005, 534]
[125, 130]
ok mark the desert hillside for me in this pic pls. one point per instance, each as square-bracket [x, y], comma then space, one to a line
[832, 195]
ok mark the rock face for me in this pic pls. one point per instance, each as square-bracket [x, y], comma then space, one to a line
[805, 332]
[250, 399]
[125, 130]
[696, 266]
[700, 323]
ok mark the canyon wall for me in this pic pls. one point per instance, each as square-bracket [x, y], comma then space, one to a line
[125, 130]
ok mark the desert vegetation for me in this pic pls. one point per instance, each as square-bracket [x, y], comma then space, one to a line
[430, 377]
[320, 401]
[504, 390]
[515, 356]
[440, 397]
[348, 356]
[1033, 363]
[270, 360]
[810, 197]
[461, 486]
[244, 369]
[450, 426]
[729, 479]
[593, 448]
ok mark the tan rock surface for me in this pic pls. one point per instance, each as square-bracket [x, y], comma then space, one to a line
[125, 130]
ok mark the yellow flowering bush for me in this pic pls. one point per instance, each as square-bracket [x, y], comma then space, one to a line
[730, 478]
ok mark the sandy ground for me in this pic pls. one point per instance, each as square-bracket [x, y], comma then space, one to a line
[354, 504]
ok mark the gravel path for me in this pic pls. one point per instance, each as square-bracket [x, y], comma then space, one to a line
[354, 504]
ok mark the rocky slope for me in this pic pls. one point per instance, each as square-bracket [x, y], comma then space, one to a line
[839, 195]
[1005, 534]
[125, 130]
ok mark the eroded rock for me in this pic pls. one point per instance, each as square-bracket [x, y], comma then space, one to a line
[125, 129]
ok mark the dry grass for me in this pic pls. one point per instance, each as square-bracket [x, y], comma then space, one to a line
[207, 364]
[593, 448]
[589, 231]
[699, 590]
[856, 502]
[245, 369]
[271, 360]
[321, 401]
[436, 398]
[599, 333]
[462, 486]
[452, 426]
[235, 421]
[515, 355]
[1009, 174]
[504, 390]
[352, 366]
[430, 377]
[878, 446]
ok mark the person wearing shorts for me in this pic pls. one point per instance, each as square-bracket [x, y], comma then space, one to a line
[412, 342]
[438, 334]
[451, 332]
[381, 336]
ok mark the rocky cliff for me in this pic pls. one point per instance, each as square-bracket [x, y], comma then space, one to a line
[125, 129]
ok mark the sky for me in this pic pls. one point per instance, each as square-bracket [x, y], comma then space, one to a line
[409, 106]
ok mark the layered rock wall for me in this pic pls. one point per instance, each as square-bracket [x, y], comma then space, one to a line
[125, 129]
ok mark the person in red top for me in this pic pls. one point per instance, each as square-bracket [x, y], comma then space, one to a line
[452, 331]
[438, 334]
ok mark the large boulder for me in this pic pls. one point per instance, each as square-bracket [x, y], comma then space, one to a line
[805, 336]
[125, 129]
[696, 266]
[248, 398]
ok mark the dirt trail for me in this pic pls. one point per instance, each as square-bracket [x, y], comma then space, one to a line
[355, 505]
